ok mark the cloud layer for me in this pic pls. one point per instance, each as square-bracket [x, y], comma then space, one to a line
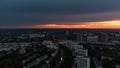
[33, 12]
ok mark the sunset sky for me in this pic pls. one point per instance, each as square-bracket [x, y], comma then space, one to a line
[60, 14]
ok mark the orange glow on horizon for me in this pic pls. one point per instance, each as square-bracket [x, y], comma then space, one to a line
[105, 24]
[115, 24]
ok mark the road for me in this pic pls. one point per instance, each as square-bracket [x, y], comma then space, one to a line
[67, 60]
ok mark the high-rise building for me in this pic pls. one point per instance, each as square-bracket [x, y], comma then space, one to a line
[92, 38]
[82, 62]
[79, 37]
[81, 52]
[103, 37]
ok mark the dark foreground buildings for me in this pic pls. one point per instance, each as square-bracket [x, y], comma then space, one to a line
[59, 48]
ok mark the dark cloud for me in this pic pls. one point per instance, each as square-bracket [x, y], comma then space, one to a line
[27, 12]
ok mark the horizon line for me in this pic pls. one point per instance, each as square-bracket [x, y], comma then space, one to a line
[62, 28]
